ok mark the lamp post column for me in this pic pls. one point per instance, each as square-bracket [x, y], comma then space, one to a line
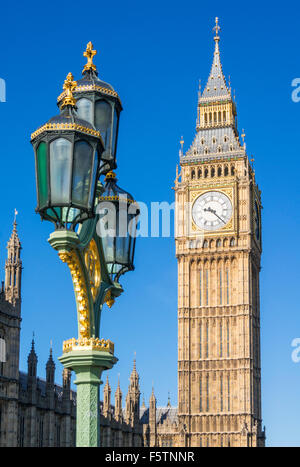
[88, 366]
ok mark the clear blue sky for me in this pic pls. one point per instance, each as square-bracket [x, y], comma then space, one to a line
[153, 53]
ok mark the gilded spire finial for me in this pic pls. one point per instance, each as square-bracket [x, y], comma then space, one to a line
[69, 86]
[243, 135]
[217, 29]
[89, 54]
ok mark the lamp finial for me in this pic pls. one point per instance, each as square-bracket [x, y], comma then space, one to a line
[69, 86]
[89, 54]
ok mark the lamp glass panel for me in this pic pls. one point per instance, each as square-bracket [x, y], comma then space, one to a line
[94, 180]
[115, 128]
[60, 170]
[103, 124]
[85, 109]
[42, 174]
[83, 163]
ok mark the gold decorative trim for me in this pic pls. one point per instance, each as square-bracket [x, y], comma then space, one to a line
[109, 300]
[91, 87]
[93, 266]
[116, 198]
[80, 289]
[89, 54]
[65, 126]
[90, 343]
[69, 86]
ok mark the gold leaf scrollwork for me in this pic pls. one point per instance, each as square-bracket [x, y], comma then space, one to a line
[109, 300]
[72, 260]
[93, 266]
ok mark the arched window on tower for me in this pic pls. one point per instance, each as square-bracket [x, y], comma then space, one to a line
[212, 172]
[219, 171]
[226, 171]
[224, 116]
[205, 173]
[232, 242]
[193, 174]
[232, 170]
[199, 173]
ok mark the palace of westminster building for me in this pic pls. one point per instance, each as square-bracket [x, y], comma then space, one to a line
[218, 248]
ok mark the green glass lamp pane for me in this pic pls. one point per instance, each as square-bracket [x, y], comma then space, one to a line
[83, 164]
[42, 174]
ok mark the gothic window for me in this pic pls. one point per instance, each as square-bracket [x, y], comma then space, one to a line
[193, 174]
[228, 392]
[207, 393]
[221, 340]
[225, 139]
[227, 286]
[206, 173]
[214, 140]
[200, 341]
[205, 244]
[41, 432]
[207, 336]
[219, 117]
[215, 117]
[224, 116]
[200, 391]
[232, 170]
[199, 173]
[206, 150]
[21, 431]
[227, 325]
[202, 139]
[218, 243]
[231, 147]
[221, 393]
[206, 286]
[219, 149]
[210, 117]
[220, 286]
[200, 287]
[212, 173]
[205, 118]
[226, 171]
[219, 171]
[232, 242]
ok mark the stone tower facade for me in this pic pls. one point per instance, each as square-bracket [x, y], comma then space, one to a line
[218, 247]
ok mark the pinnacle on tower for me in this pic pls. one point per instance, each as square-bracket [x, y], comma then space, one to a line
[32, 360]
[216, 84]
[50, 368]
[13, 267]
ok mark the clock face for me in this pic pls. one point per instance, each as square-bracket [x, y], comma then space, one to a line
[256, 222]
[212, 210]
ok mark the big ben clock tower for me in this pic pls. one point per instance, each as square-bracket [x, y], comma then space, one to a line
[218, 247]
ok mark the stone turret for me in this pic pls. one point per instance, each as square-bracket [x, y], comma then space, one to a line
[152, 419]
[13, 270]
[118, 403]
[106, 398]
[50, 370]
[32, 364]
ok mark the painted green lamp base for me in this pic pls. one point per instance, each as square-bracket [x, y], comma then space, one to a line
[88, 366]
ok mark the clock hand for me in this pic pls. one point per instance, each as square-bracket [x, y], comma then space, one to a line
[209, 209]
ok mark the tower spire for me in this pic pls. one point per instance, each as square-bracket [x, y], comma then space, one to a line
[13, 267]
[216, 84]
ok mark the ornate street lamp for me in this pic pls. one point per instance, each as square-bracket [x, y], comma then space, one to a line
[119, 242]
[67, 158]
[99, 104]
[71, 151]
